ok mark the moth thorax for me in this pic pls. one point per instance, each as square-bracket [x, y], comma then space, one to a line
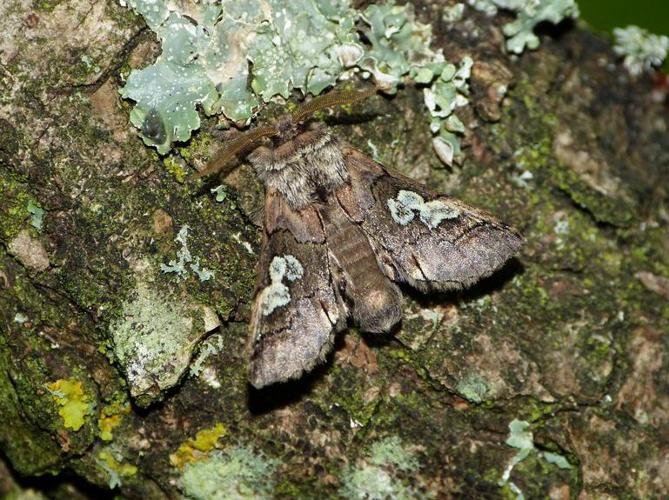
[303, 169]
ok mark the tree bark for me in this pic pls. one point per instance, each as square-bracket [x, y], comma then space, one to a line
[569, 340]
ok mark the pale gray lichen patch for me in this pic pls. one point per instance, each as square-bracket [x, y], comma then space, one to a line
[431, 213]
[20, 318]
[154, 339]
[520, 32]
[210, 347]
[473, 387]
[448, 92]
[376, 476]
[233, 473]
[276, 294]
[453, 13]
[185, 260]
[521, 438]
[641, 49]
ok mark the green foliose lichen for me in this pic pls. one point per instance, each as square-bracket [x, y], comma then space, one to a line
[448, 92]
[304, 45]
[521, 438]
[400, 46]
[640, 49]
[520, 32]
[208, 50]
[185, 261]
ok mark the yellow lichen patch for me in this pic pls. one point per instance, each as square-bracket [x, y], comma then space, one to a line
[74, 403]
[115, 468]
[196, 449]
[110, 418]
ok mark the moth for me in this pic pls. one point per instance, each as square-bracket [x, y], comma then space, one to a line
[340, 233]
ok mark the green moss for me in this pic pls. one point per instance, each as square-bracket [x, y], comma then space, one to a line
[9, 141]
[604, 208]
[47, 5]
[197, 148]
[175, 167]
[15, 207]
[30, 449]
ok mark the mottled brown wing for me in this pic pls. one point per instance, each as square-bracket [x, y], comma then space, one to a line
[297, 309]
[431, 242]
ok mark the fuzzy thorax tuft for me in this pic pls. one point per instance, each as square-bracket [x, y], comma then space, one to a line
[302, 168]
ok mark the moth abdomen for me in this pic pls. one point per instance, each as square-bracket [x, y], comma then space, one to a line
[375, 300]
[377, 310]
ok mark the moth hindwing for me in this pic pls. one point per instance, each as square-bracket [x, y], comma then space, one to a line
[340, 233]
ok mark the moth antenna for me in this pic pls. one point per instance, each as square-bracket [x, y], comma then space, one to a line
[222, 162]
[330, 100]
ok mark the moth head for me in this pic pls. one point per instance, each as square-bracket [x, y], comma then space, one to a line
[284, 129]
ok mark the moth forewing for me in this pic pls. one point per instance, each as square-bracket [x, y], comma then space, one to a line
[297, 308]
[434, 242]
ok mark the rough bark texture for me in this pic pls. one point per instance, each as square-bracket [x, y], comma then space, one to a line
[570, 338]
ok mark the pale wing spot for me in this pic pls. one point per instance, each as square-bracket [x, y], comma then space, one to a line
[431, 213]
[400, 213]
[277, 294]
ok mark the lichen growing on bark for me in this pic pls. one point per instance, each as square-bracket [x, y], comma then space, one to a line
[199, 447]
[530, 13]
[236, 472]
[569, 338]
[310, 45]
[640, 49]
[74, 405]
[154, 340]
[376, 477]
